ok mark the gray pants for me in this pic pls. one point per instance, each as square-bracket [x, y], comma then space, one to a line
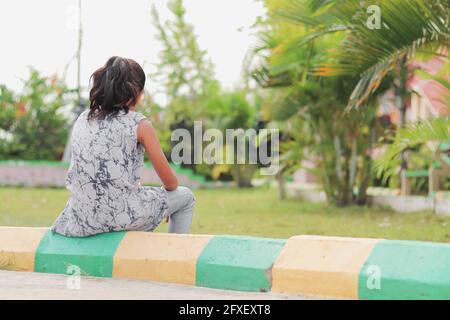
[181, 210]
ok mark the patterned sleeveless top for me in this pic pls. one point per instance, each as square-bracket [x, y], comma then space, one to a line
[104, 180]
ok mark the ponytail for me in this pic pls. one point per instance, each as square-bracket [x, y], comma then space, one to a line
[116, 86]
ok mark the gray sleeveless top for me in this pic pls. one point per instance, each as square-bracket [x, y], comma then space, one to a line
[104, 180]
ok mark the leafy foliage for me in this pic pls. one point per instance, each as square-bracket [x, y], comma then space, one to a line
[437, 130]
[407, 27]
[193, 93]
[186, 73]
[33, 125]
[318, 127]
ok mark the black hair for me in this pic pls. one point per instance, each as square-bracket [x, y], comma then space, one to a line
[116, 86]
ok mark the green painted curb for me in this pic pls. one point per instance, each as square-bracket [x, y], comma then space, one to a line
[410, 270]
[238, 263]
[93, 255]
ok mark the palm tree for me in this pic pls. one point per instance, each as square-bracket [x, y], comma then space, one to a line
[408, 27]
[311, 108]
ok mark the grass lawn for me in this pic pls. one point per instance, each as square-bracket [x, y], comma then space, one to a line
[254, 212]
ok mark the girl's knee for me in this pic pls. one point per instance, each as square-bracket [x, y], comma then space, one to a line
[185, 195]
[188, 194]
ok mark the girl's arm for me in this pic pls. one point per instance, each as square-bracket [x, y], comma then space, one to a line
[146, 135]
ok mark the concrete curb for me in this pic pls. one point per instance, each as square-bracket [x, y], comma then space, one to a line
[438, 202]
[173, 261]
[354, 268]
[238, 263]
[321, 266]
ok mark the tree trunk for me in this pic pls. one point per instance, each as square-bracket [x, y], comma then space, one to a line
[243, 176]
[403, 97]
[281, 185]
[367, 165]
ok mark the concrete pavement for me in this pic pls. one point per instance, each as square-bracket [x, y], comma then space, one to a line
[31, 285]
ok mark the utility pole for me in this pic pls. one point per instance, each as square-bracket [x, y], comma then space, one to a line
[80, 43]
[79, 104]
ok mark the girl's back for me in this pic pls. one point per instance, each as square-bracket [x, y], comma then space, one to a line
[104, 179]
[106, 155]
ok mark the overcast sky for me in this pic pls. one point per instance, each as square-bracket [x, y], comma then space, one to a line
[43, 34]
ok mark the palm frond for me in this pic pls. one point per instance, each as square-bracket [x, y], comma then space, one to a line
[407, 26]
[437, 129]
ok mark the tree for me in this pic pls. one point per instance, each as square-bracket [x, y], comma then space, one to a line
[193, 93]
[232, 110]
[406, 28]
[338, 142]
[184, 70]
[37, 130]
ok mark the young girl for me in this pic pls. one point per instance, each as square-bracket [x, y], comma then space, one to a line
[108, 143]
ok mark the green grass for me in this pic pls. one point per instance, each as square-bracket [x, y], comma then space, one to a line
[254, 212]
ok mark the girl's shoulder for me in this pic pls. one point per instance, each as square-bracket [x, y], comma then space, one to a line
[131, 117]
[136, 116]
[82, 116]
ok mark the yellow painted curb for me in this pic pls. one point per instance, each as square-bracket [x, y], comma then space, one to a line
[159, 257]
[18, 247]
[321, 266]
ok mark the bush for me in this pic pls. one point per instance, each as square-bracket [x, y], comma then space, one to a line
[32, 126]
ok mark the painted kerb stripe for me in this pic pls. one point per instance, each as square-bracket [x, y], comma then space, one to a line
[321, 266]
[159, 257]
[406, 270]
[18, 247]
[238, 263]
[93, 255]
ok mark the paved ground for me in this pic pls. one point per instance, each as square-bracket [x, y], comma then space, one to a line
[24, 285]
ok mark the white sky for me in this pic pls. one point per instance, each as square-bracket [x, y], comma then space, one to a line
[43, 34]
